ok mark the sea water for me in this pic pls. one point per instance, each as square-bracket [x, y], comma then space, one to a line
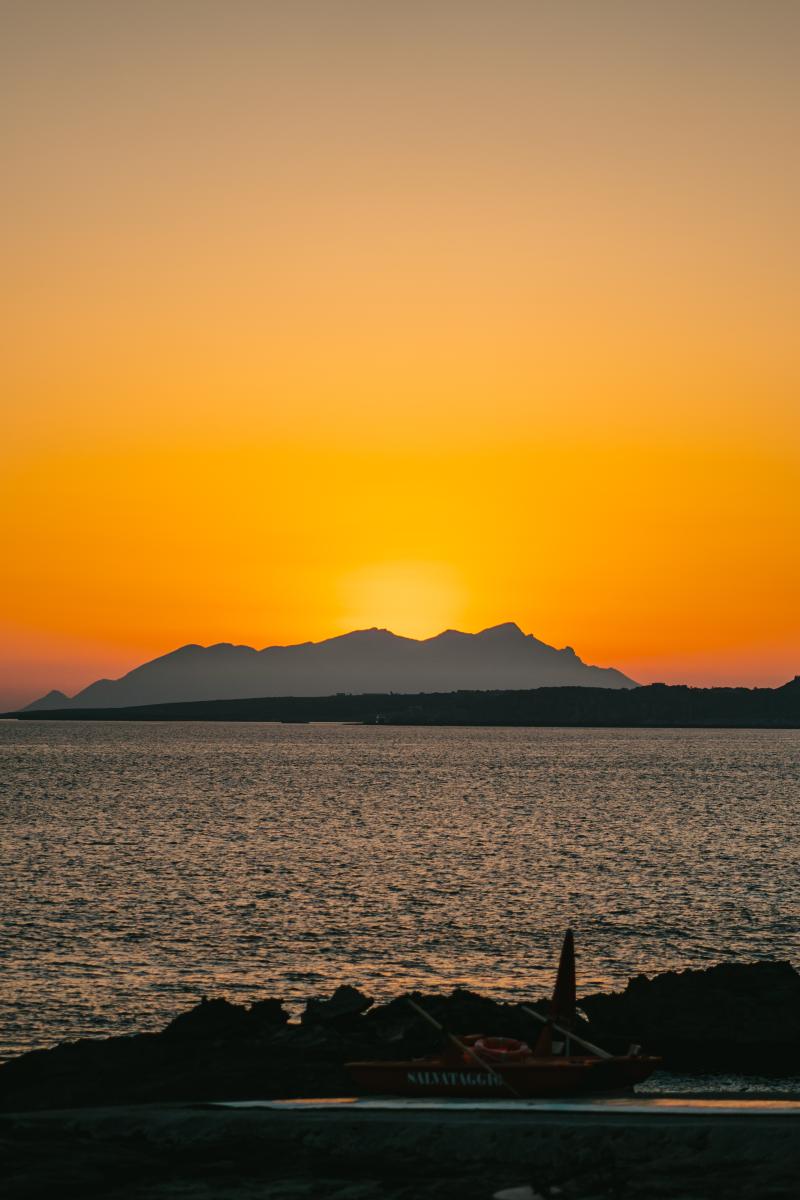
[146, 865]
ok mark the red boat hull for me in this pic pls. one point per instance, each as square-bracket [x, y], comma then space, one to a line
[534, 1077]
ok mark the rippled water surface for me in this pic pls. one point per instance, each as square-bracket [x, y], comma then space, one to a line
[147, 864]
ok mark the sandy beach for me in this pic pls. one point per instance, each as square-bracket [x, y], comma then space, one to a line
[197, 1152]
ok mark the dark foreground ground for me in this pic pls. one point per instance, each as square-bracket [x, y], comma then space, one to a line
[128, 1117]
[196, 1153]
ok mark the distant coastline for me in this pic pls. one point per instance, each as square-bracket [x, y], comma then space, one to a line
[653, 706]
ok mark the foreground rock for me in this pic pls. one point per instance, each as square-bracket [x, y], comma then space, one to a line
[740, 1018]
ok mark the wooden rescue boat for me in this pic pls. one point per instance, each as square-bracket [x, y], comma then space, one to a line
[475, 1065]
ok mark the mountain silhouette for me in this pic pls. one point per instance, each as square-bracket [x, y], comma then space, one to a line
[367, 660]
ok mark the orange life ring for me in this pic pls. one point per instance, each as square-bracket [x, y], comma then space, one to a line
[501, 1049]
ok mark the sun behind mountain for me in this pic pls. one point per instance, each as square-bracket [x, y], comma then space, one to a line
[364, 660]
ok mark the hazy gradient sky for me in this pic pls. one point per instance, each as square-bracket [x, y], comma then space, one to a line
[323, 315]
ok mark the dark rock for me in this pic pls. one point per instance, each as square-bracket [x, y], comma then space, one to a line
[209, 1019]
[266, 1015]
[345, 1003]
[460, 1012]
[212, 1019]
[732, 1017]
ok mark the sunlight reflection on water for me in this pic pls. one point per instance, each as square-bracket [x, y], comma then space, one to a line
[145, 865]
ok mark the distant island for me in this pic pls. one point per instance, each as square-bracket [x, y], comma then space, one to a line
[366, 660]
[654, 706]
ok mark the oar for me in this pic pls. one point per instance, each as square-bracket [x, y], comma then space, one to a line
[463, 1047]
[567, 1032]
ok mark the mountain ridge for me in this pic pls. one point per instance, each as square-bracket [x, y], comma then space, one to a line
[361, 661]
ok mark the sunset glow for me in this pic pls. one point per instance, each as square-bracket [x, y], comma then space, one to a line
[315, 323]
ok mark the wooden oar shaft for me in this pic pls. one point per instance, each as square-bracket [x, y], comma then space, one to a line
[566, 1032]
[462, 1046]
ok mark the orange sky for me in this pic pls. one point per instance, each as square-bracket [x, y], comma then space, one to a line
[324, 315]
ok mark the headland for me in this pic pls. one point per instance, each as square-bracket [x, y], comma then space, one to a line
[654, 706]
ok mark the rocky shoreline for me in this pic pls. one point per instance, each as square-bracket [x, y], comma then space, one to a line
[741, 1018]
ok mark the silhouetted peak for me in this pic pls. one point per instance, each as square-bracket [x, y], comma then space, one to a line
[448, 635]
[508, 630]
[53, 699]
[195, 650]
[226, 647]
[793, 685]
[374, 634]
